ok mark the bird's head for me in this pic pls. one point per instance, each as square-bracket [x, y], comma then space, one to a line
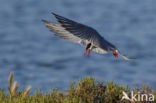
[115, 53]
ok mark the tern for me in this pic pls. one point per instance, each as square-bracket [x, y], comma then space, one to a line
[79, 33]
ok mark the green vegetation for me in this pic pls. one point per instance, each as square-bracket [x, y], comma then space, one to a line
[87, 90]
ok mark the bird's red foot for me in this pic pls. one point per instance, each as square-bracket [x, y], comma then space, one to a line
[88, 50]
[85, 52]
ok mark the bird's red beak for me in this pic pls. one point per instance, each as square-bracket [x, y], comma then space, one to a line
[115, 52]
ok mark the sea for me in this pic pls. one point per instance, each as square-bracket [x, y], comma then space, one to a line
[40, 59]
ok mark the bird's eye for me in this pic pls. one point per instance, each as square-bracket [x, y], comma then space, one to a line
[115, 53]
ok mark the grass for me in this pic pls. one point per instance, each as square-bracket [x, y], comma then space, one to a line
[87, 90]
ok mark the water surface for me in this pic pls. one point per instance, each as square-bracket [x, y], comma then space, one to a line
[40, 59]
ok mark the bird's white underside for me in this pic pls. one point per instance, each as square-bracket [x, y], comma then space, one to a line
[63, 33]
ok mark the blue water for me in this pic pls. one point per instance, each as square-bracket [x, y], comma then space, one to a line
[41, 60]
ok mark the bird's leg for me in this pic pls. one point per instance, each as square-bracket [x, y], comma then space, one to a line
[86, 52]
[89, 52]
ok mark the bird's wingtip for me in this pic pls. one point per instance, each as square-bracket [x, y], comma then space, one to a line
[53, 13]
[44, 21]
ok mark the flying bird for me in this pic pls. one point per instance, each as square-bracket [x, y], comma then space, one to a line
[82, 34]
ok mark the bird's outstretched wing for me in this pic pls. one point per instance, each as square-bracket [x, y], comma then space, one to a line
[61, 32]
[79, 30]
[85, 33]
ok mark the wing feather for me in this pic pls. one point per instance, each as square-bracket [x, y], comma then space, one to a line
[61, 32]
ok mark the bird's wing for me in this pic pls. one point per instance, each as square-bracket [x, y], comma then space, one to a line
[81, 31]
[61, 32]
[78, 33]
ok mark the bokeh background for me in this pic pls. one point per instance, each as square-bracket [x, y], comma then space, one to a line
[41, 60]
